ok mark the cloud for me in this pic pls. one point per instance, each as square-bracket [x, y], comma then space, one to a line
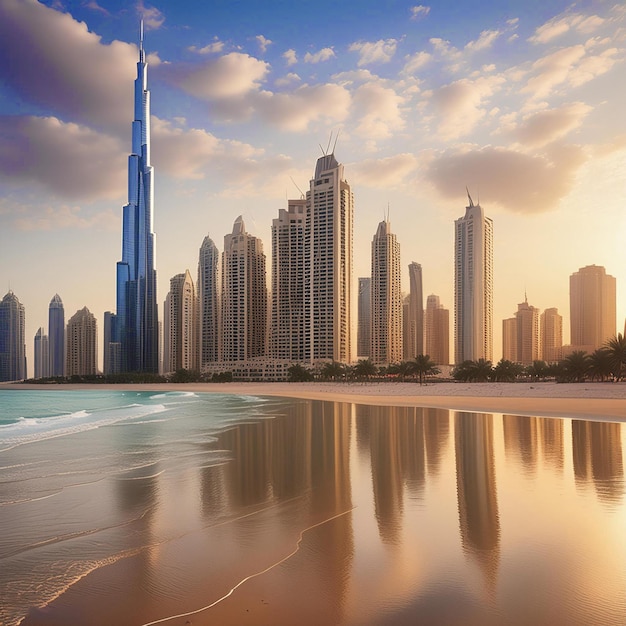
[290, 57]
[385, 173]
[380, 51]
[461, 104]
[377, 109]
[416, 62]
[69, 160]
[485, 40]
[322, 55]
[515, 181]
[94, 6]
[62, 67]
[547, 126]
[287, 79]
[419, 11]
[152, 17]
[558, 26]
[212, 48]
[263, 42]
[232, 75]
[65, 217]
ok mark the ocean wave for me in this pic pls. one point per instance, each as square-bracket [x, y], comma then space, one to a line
[174, 394]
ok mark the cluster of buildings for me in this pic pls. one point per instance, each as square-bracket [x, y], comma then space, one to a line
[228, 319]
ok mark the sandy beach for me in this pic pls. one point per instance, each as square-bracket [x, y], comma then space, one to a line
[595, 401]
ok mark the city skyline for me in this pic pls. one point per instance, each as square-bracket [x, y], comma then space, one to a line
[520, 105]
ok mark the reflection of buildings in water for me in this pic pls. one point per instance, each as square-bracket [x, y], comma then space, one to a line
[476, 491]
[597, 456]
[213, 495]
[551, 431]
[436, 435]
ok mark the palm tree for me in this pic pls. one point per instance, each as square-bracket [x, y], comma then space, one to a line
[600, 364]
[298, 373]
[575, 366]
[506, 371]
[481, 372]
[332, 370]
[404, 369]
[364, 369]
[423, 366]
[538, 370]
[463, 371]
[617, 351]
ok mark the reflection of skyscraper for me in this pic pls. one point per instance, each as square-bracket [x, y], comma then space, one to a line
[182, 324]
[521, 440]
[551, 341]
[328, 266]
[12, 347]
[41, 354]
[136, 274]
[364, 328]
[244, 296]
[81, 344]
[56, 336]
[386, 335]
[208, 303]
[473, 285]
[592, 307]
[437, 331]
[288, 330]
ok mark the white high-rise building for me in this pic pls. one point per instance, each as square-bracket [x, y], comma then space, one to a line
[527, 327]
[82, 342]
[415, 323]
[386, 334]
[288, 328]
[473, 285]
[41, 354]
[437, 331]
[551, 325]
[12, 346]
[364, 317]
[182, 324]
[208, 303]
[328, 265]
[244, 296]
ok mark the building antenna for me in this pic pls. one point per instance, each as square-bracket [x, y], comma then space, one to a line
[322, 149]
[471, 203]
[337, 137]
[329, 140]
[298, 188]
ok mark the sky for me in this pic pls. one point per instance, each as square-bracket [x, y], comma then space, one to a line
[519, 101]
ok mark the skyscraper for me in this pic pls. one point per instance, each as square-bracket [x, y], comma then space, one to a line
[364, 317]
[415, 325]
[386, 338]
[82, 344]
[551, 328]
[244, 296]
[12, 346]
[112, 346]
[509, 339]
[288, 330]
[473, 285]
[136, 275]
[181, 329]
[328, 268]
[527, 329]
[41, 353]
[592, 307]
[56, 336]
[208, 302]
[437, 331]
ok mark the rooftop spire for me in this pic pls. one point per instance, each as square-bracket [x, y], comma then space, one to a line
[141, 54]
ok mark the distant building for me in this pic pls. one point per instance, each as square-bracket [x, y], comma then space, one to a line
[527, 318]
[288, 335]
[592, 308]
[56, 336]
[328, 265]
[42, 354]
[415, 326]
[112, 351]
[181, 317]
[473, 285]
[551, 328]
[386, 338]
[244, 296]
[437, 331]
[509, 339]
[82, 344]
[208, 288]
[12, 346]
[364, 316]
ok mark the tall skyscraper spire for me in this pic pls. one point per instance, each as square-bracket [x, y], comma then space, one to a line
[137, 321]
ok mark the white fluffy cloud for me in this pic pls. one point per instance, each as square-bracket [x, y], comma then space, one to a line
[560, 25]
[419, 11]
[321, 55]
[380, 51]
[549, 125]
[385, 173]
[377, 109]
[290, 57]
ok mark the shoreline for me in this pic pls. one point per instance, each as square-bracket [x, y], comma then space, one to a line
[593, 401]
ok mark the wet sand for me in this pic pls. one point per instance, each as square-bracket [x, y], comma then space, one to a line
[593, 401]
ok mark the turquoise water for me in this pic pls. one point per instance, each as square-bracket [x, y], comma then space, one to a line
[126, 508]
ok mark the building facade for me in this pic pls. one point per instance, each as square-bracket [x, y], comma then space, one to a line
[473, 285]
[137, 315]
[244, 296]
[112, 353]
[527, 329]
[41, 353]
[437, 331]
[509, 339]
[386, 333]
[181, 330]
[414, 335]
[551, 329]
[208, 288]
[56, 336]
[364, 318]
[328, 269]
[12, 345]
[81, 353]
[592, 308]
[288, 327]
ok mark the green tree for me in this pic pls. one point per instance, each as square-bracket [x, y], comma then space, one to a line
[506, 371]
[575, 366]
[600, 365]
[365, 369]
[423, 366]
[332, 371]
[298, 374]
[616, 347]
[473, 371]
[539, 370]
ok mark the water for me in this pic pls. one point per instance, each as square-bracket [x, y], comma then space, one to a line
[126, 508]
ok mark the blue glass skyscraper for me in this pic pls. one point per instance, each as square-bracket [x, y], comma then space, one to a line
[137, 322]
[56, 336]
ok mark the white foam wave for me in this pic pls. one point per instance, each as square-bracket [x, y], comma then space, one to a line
[174, 394]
